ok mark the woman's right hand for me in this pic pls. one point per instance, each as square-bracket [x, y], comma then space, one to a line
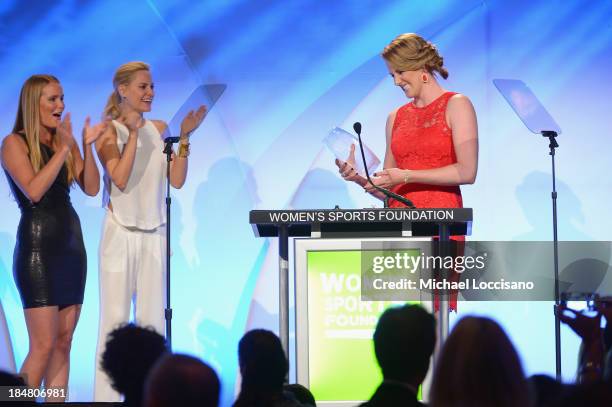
[133, 121]
[347, 168]
[64, 131]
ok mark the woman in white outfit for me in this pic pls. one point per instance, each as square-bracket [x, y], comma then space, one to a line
[132, 249]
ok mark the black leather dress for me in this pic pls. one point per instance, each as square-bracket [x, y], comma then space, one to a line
[49, 261]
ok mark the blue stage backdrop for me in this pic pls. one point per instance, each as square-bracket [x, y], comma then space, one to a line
[294, 70]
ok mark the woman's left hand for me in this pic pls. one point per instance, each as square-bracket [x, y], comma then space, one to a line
[388, 178]
[91, 134]
[192, 121]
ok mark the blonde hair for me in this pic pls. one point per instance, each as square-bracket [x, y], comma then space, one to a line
[123, 76]
[28, 122]
[411, 52]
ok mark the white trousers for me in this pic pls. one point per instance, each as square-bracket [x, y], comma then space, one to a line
[132, 269]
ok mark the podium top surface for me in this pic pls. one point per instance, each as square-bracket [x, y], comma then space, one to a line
[304, 222]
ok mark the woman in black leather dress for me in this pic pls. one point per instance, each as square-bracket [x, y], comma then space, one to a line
[41, 160]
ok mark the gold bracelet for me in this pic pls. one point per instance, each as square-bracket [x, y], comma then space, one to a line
[183, 151]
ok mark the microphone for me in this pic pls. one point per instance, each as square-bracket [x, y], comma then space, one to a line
[172, 140]
[168, 141]
[386, 192]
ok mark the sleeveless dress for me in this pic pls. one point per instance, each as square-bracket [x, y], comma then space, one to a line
[49, 261]
[421, 140]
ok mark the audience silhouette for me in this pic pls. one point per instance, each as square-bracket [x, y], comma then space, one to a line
[264, 367]
[478, 366]
[181, 380]
[130, 353]
[404, 340]
[301, 394]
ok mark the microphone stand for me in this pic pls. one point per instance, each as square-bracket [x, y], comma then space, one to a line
[388, 194]
[168, 141]
[551, 135]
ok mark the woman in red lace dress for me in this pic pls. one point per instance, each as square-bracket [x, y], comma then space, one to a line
[432, 142]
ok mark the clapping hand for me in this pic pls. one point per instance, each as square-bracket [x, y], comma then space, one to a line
[91, 134]
[64, 131]
[192, 121]
[133, 121]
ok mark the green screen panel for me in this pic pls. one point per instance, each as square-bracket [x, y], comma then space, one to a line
[342, 364]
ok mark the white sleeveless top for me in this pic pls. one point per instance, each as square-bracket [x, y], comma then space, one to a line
[141, 204]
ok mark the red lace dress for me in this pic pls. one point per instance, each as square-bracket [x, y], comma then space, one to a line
[421, 140]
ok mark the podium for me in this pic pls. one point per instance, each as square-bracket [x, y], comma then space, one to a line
[374, 222]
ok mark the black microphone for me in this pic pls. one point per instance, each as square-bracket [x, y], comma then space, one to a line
[172, 140]
[386, 192]
[168, 141]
